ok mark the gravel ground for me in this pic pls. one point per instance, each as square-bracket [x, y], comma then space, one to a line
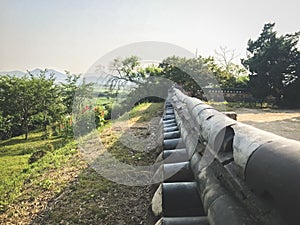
[285, 123]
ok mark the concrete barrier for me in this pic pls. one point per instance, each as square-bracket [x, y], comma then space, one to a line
[219, 171]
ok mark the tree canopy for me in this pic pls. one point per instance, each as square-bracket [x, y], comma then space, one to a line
[273, 63]
[192, 74]
[35, 101]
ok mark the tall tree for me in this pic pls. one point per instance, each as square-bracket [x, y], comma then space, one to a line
[228, 75]
[124, 71]
[48, 102]
[273, 63]
[192, 74]
[19, 100]
[74, 88]
[28, 102]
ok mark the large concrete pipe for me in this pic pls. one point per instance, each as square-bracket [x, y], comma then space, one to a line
[168, 117]
[175, 155]
[171, 121]
[177, 200]
[173, 144]
[220, 206]
[272, 171]
[178, 172]
[172, 134]
[169, 112]
[247, 140]
[199, 220]
[170, 128]
[175, 172]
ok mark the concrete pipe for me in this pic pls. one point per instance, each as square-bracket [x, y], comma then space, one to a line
[272, 171]
[169, 121]
[169, 112]
[174, 172]
[195, 163]
[177, 200]
[172, 134]
[247, 140]
[220, 206]
[175, 155]
[200, 220]
[199, 108]
[168, 117]
[170, 129]
[225, 210]
[170, 125]
[192, 103]
[177, 172]
[169, 108]
[175, 143]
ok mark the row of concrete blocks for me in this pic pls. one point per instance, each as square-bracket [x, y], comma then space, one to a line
[176, 200]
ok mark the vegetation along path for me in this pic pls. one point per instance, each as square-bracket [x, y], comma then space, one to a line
[61, 188]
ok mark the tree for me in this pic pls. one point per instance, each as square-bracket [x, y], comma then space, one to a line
[273, 63]
[124, 71]
[28, 102]
[191, 74]
[68, 90]
[74, 88]
[228, 75]
[225, 58]
[48, 102]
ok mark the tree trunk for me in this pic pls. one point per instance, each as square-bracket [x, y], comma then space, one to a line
[26, 131]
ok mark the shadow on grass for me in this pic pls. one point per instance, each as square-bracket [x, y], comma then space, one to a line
[15, 141]
[32, 146]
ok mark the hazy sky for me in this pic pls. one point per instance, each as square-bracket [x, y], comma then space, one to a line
[73, 34]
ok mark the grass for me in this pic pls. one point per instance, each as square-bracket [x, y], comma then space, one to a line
[15, 168]
[143, 112]
[138, 116]
[85, 197]
[93, 199]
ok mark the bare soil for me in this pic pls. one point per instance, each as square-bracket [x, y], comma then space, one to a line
[285, 123]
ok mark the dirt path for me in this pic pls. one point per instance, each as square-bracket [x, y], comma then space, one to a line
[285, 123]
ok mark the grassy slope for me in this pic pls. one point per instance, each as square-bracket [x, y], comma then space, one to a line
[73, 192]
[14, 166]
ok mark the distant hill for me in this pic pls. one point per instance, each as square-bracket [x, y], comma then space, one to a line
[13, 73]
[60, 77]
